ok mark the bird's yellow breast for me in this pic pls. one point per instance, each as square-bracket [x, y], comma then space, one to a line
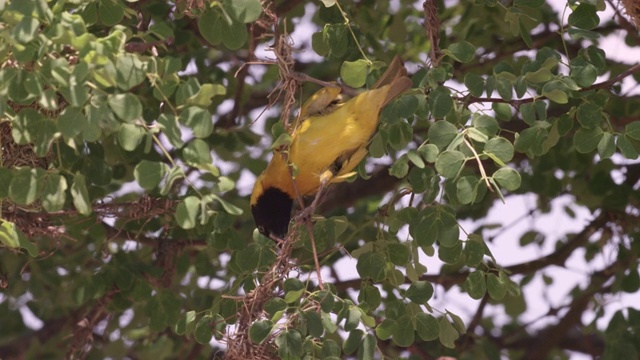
[319, 140]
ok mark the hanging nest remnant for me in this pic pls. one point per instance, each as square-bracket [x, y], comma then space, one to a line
[632, 10]
[15, 155]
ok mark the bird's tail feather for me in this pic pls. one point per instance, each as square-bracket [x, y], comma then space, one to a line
[396, 77]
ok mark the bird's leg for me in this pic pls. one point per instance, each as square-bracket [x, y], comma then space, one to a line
[305, 217]
[306, 213]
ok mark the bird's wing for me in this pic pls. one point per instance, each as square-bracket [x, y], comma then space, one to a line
[321, 102]
[340, 168]
[396, 77]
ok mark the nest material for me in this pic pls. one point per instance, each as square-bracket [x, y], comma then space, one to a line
[15, 155]
[632, 10]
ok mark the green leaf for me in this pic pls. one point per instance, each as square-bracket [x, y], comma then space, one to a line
[474, 250]
[187, 212]
[586, 140]
[406, 106]
[496, 287]
[429, 152]
[449, 163]
[8, 234]
[462, 51]
[202, 98]
[234, 35]
[370, 295]
[503, 111]
[427, 326]
[476, 135]
[130, 71]
[198, 120]
[466, 189]
[539, 76]
[585, 75]
[435, 223]
[336, 36]
[245, 11]
[197, 152]
[260, 330]
[386, 328]
[289, 344]
[458, 324]
[80, 195]
[168, 124]
[353, 318]
[274, 305]
[399, 254]
[555, 94]
[148, 174]
[400, 167]
[589, 115]
[25, 30]
[404, 335]
[584, 17]
[632, 130]
[314, 323]
[293, 290]
[110, 12]
[30, 126]
[12, 237]
[395, 277]
[372, 265]
[175, 173]
[450, 253]
[475, 84]
[6, 175]
[366, 351]
[130, 136]
[71, 122]
[504, 85]
[210, 26]
[400, 133]
[631, 281]
[441, 133]
[54, 193]
[227, 206]
[508, 178]
[353, 341]
[440, 102]
[475, 285]
[501, 148]
[354, 73]
[529, 3]
[488, 125]
[186, 324]
[126, 106]
[607, 145]
[448, 334]
[26, 185]
[415, 158]
[319, 45]
[202, 332]
[626, 148]
[420, 292]
[530, 140]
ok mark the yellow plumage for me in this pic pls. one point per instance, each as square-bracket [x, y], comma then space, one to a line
[330, 140]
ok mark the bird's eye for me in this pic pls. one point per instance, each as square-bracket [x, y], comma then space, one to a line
[263, 231]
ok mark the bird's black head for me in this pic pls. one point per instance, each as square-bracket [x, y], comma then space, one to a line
[272, 212]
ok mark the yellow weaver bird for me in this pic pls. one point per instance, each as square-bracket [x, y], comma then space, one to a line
[329, 142]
